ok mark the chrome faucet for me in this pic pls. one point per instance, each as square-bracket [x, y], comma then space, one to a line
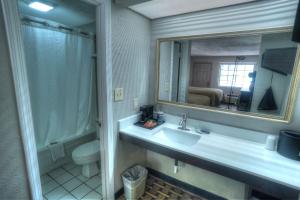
[182, 123]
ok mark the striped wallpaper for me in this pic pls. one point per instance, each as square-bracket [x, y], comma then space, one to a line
[249, 16]
[131, 35]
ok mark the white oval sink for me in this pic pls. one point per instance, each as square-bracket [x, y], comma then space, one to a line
[178, 136]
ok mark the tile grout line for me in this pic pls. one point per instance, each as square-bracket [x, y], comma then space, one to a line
[85, 183]
[73, 177]
[60, 185]
[92, 189]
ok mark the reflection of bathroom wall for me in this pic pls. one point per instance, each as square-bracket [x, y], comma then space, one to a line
[175, 67]
[165, 65]
[215, 74]
[184, 71]
[280, 82]
[174, 78]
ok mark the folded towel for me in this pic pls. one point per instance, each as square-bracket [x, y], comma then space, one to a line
[57, 150]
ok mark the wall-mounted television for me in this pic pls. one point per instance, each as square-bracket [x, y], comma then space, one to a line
[279, 60]
[296, 33]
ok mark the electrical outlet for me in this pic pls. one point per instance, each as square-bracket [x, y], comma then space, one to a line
[118, 94]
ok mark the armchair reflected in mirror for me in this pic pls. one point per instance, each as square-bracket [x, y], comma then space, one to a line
[247, 73]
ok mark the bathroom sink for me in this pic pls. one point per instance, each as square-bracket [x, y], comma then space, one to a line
[178, 136]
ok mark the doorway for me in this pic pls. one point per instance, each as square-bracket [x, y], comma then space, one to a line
[201, 74]
[14, 24]
[59, 47]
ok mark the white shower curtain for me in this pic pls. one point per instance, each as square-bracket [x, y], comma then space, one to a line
[60, 68]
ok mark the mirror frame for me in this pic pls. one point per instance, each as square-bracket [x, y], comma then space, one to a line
[292, 96]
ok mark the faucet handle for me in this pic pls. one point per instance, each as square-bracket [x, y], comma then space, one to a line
[180, 122]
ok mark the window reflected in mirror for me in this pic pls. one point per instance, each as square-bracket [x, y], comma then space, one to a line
[247, 73]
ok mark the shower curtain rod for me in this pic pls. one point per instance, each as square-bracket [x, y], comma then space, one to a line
[28, 20]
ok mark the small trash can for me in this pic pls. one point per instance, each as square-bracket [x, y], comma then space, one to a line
[134, 180]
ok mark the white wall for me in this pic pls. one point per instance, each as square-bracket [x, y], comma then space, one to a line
[13, 176]
[130, 56]
[250, 16]
[198, 177]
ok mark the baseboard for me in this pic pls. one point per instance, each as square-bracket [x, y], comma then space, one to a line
[177, 183]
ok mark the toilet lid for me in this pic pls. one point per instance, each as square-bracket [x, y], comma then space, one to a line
[87, 149]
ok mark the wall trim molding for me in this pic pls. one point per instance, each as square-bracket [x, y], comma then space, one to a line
[104, 64]
[18, 65]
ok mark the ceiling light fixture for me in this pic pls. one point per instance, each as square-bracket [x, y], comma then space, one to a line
[40, 6]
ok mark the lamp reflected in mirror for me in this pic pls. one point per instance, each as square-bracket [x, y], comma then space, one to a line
[245, 73]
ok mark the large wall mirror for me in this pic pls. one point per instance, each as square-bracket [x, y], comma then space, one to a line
[246, 73]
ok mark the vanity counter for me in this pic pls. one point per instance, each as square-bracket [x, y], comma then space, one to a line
[237, 158]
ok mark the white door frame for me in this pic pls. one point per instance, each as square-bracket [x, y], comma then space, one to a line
[104, 64]
[18, 65]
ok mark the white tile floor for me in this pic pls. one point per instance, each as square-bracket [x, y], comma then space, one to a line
[67, 183]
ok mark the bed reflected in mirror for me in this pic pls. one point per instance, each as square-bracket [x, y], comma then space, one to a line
[249, 73]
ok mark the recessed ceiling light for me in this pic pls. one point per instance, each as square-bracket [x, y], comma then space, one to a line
[40, 6]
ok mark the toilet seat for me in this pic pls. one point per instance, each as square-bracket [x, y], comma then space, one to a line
[87, 153]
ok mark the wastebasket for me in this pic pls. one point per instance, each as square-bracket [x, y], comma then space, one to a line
[134, 180]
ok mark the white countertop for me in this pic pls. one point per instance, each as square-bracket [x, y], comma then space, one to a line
[237, 153]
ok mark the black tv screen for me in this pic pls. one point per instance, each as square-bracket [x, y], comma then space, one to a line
[279, 60]
[296, 33]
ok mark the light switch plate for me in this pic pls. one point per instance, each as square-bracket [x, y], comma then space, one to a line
[118, 94]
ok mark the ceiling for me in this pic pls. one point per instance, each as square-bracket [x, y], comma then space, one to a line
[72, 13]
[162, 8]
[230, 46]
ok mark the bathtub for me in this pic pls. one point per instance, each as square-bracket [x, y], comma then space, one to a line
[46, 163]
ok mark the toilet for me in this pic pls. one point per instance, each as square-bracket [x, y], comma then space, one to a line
[87, 155]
